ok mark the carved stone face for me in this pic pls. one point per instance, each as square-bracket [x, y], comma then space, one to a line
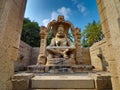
[60, 32]
[60, 18]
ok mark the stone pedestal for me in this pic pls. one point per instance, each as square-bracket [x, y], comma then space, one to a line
[58, 62]
[21, 81]
[62, 82]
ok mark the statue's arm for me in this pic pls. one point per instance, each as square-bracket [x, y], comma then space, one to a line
[52, 42]
[69, 42]
[71, 27]
[50, 24]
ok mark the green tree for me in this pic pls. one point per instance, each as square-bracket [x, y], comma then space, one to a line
[50, 36]
[91, 34]
[30, 33]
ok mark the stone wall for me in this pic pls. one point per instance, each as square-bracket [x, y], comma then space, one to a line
[24, 57]
[28, 56]
[11, 19]
[86, 56]
[35, 53]
[98, 53]
[110, 19]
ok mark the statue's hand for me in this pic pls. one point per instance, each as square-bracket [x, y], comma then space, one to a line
[65, 53]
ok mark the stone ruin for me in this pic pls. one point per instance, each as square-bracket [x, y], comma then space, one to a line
[61, 55]
[61, 64]
[12, 23]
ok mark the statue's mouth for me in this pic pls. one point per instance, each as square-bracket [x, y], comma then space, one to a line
[61, 35]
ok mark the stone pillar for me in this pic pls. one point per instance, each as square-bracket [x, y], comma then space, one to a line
[79, 59]
[11, 19]
[42, 53]
[110, 18]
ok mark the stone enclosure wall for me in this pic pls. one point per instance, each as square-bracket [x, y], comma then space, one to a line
[24, 56]
[28, 56]
[98, 53]
[11, 19]
[86, 56]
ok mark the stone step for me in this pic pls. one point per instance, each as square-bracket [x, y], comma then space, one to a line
[63, 89]
[69, 89]
[62, 82]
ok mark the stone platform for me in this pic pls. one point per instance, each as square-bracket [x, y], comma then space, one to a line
[50, 81]
[63, 82]
[57, 68]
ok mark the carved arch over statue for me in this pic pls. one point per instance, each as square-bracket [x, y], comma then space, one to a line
[53, 25]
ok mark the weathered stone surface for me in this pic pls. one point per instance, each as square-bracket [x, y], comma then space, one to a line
[35, 53]
[102, 80]
[63, 89]
[63, 82]
[110, 17]
[21, 81]
[11, 19]
[85, 56]
[98, 53]
[24, 57]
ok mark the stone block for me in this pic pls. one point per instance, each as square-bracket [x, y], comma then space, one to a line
[62, 82]
[6, 85]
[102, 80]
[24, 56]
[35, 53]
[21, 81]
[63, 89]
[113, 68]
[115, 83]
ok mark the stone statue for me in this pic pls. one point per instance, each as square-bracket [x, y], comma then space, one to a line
[60, 46]
[61, 55]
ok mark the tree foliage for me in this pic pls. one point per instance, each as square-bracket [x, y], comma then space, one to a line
[30, 33]
[50, 36]
[91, 34]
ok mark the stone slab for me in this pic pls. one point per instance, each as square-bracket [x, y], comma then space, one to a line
[68, 89]
[62, 82]
[102, 80]
[21, 81]
[63, 89]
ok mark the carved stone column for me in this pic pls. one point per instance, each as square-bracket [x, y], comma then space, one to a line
[78, 46]
[110, 19]
[42, 54]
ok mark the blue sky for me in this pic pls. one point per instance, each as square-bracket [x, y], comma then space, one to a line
[79, 12]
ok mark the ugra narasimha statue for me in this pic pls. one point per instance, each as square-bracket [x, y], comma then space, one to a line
[60, 47]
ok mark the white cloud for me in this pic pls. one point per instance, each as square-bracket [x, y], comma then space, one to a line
[64, 11]
[54, 15]
[75, 1]
[81, 8]
[45, 22]
[61, 11]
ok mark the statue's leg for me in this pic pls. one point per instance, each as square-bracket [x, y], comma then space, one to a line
[41, 60]
[72, 59]
[65, 53]
[49, 56]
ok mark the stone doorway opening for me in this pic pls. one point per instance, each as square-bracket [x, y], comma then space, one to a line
[11, 18]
